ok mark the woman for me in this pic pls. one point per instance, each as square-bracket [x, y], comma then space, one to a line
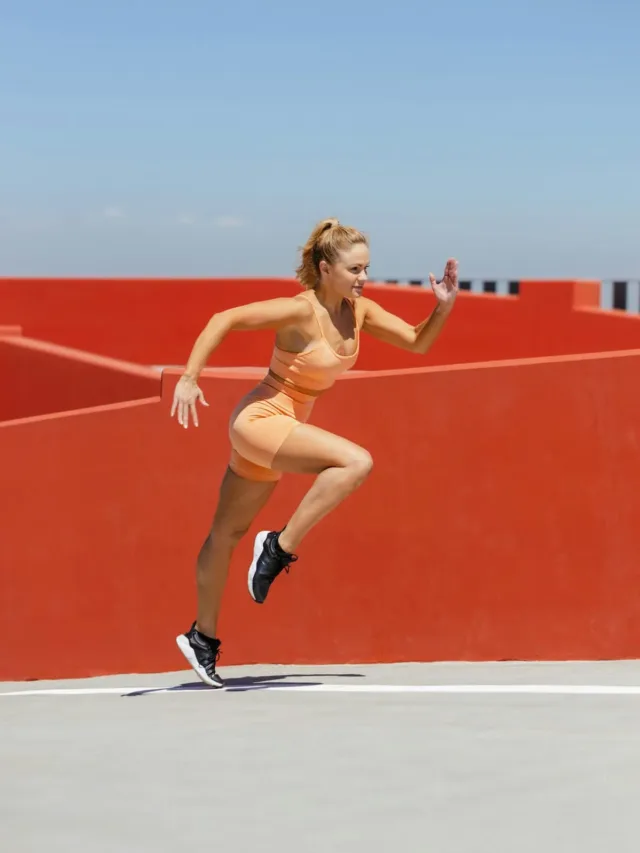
[317, 338]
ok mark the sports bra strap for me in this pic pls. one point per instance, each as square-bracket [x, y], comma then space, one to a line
[315, 311]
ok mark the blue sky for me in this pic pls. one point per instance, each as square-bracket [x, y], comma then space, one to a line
[184, 137]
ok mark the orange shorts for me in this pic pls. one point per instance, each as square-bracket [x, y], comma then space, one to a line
[260, 424]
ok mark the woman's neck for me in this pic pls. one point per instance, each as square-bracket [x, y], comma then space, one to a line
[330, 300]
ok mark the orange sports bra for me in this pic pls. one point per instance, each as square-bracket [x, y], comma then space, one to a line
[314, 370]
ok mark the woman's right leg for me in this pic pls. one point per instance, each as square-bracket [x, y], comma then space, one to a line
[341, 467]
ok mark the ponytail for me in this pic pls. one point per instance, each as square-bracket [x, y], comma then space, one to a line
[325, 243]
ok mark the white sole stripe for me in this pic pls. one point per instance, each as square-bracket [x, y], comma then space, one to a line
[257, 550]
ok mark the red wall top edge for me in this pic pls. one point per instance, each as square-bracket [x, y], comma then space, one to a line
[73, 354]
[84, 412]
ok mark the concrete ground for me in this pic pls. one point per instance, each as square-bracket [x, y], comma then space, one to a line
[446, 758]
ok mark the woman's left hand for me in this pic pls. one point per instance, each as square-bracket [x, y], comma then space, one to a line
[446, 290]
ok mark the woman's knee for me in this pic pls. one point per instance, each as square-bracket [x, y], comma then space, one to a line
[227, 532]
[360, 464]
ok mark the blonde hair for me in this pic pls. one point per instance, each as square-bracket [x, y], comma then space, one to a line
[325, 242]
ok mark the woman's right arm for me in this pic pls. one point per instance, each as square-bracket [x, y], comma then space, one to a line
[268, 314]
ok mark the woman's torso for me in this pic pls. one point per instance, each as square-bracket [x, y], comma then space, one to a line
[295, 380]
[315, 368]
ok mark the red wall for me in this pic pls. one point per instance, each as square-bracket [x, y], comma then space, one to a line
[39, 378]
[156, 322]
[147, 321]
[501, 520]
[506, 493]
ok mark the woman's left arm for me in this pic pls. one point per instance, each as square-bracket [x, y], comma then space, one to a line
[387, 327]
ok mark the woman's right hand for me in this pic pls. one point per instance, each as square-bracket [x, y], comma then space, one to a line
[185, 396]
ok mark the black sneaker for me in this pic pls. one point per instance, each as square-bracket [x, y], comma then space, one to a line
[202, 653]
[268, 561]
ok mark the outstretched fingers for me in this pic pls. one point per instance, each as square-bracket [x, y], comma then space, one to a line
[194, 413]
[185, 401]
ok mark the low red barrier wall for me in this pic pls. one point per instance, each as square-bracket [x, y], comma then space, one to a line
[156, 322]
[38, 378]
[500, 521]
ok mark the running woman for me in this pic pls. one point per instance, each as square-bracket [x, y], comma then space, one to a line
[317, 337]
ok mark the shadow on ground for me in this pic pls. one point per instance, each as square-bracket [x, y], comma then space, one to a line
[251, 682]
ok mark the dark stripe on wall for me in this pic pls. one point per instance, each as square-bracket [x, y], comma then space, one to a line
[488, 286]
[620, 295]
[614, 294]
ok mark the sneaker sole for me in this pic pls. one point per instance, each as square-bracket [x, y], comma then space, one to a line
[184, 646]
[257, 550]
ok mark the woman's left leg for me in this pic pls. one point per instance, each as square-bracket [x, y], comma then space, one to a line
[239, 503]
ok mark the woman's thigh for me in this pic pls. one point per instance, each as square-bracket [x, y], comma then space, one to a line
[309, 450]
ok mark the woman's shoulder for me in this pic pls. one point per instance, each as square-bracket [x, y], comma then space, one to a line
[361, 305]
[303, 302]
[298, 307]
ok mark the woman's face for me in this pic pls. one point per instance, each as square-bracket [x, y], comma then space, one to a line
[347, 276]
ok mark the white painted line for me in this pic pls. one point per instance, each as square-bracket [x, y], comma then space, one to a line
[560, 689]
[292, 687]
[79, 691]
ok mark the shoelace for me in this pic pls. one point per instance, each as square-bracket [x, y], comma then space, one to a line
[291, 559]
[214, 652]
[282, 562]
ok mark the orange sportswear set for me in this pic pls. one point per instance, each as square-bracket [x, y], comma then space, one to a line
[265, 417]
